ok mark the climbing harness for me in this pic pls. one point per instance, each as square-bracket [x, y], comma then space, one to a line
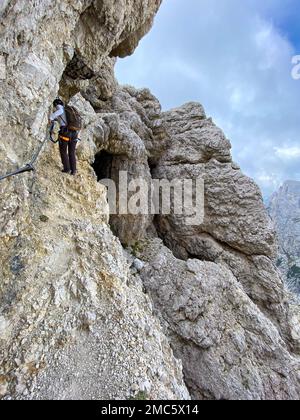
[30, 166]
[64, 138]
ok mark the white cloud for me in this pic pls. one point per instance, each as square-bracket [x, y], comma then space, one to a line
[288, 152]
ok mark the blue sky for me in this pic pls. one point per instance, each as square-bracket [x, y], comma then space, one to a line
[234, 57]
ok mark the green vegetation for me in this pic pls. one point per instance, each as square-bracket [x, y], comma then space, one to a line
[294, 272]
[279, 262]
[136, 249]
[140, 396]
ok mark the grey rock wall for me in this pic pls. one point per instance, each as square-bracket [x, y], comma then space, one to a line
[75, 321]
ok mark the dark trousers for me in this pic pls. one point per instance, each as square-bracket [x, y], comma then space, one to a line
[68, 150]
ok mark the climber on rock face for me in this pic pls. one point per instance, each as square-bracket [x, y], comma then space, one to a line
[70, 124]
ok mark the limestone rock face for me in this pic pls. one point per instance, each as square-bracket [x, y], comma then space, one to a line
[187, 125]
[199, 148]
[42, 41]
[284, 208]
[130, 130]
[75, 322]
[221, 301]
[184, 144]
[229, 348]
[236, 230]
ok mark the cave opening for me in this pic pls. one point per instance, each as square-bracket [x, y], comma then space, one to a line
[103, 165]
[152, 166]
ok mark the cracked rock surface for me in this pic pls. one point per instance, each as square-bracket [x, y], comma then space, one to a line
[185, 311]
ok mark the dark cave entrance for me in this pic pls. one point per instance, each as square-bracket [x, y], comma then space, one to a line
[152, 166]
[103, 165]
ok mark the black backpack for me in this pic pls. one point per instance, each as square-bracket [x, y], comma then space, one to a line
[74, 120]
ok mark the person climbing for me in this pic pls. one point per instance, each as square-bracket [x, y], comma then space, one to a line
[70, 125]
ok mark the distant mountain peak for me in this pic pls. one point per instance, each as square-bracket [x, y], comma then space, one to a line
[284, 208]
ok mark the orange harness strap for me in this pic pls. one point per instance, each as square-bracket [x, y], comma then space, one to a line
[64, 138]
